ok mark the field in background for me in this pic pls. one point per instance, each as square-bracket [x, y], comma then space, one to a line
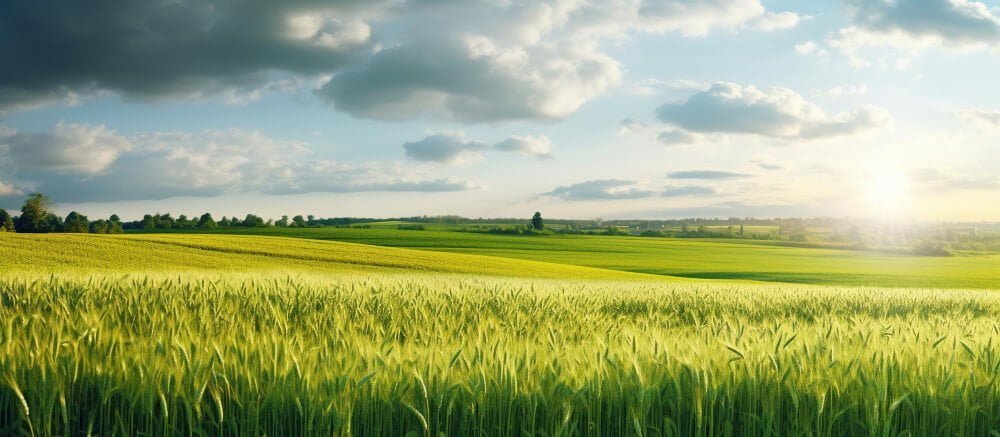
[770, 261]
[181, 253]
[215, 334]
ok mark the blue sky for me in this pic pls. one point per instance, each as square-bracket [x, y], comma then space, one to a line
[578, 109]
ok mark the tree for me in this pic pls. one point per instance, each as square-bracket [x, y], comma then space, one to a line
[165, 221]
[206, 221]
[52, 223]
[148, 222]
[298, 221]
[6, 221]
[34, 214]
[283, 223]
[100, 226]
[115, 225]
[536, 221]
[76, 222]
[252, 221]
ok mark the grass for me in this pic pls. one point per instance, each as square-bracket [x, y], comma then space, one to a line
[243, 335]
[183, 253]
[692, 258]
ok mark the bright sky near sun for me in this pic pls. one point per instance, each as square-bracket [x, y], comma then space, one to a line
[620, 108]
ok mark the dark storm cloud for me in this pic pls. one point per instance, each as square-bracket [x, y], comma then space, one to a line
[383, 59]
[53, 50]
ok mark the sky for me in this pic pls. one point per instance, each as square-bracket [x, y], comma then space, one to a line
[499, 108]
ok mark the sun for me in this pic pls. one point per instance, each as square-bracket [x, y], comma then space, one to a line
[887, 191]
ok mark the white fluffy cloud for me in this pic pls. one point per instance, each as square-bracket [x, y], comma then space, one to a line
[471, 79]
[773, 112]
[954, 23]
[69, 148]
[696, 18]
[9, 189]
[773, 21]
[810, 48]
[517, 60]
[908, 26]
[169, 164]
[666, 136]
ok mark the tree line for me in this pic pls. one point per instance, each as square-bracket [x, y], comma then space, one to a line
[206, 221]
[36, 217]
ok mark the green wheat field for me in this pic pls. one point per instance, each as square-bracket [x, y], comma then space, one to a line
[473, 334]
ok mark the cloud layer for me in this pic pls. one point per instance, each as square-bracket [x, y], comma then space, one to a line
[602, 189]
[447, 147]
[538, 146]
[982, 117]
[908, 27]
[473, 61]
[706, 174]
[454, 147]
[69, 148]
[157, 49]
[625, 189]
[81, 163]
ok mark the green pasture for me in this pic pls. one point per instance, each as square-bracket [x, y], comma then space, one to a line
[691, 258]
[152, 253]
[212, 334]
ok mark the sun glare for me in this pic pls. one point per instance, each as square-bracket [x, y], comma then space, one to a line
[887, 191]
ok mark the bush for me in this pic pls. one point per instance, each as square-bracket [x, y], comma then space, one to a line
[930, 248]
